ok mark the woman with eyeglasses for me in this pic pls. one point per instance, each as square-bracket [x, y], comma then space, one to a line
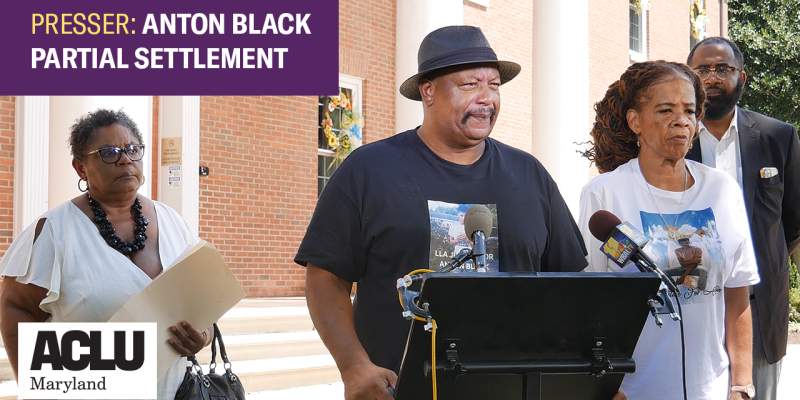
[81, 261]
[695, 221]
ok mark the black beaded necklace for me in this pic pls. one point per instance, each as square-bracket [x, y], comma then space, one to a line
[108, 231]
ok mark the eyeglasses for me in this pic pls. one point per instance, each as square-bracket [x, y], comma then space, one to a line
[110, 155]
[722, 73]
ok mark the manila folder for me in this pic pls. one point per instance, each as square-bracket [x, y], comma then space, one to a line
[198, 287]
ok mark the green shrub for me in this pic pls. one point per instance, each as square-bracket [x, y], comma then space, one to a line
[794, 293]
[794, 305]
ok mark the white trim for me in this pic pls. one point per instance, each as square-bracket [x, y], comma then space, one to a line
[179, 117]
[191, 162]
[149, 159]
[31, 160]
[639, 56]
[357, 85]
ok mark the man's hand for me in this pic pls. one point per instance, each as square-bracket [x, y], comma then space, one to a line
[368, 382]
[620, 395]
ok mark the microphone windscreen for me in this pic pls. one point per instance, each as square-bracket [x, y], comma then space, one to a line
[478, 218]
[602, 223]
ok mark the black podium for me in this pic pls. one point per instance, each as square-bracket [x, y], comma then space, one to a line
[527, 336]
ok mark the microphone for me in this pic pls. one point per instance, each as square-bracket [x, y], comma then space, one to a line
[478, 225]
[624, 243]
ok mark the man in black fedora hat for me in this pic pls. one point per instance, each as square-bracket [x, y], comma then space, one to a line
[373, 221]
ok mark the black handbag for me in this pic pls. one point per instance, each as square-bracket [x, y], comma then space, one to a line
[211, 386]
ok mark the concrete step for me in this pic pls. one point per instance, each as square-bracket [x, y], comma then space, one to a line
[265, 346]
[331, 391]
[284, 373]
[265, 320]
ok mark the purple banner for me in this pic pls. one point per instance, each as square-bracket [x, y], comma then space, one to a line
[169, 47]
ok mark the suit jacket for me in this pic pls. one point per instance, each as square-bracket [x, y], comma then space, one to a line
[773, 209]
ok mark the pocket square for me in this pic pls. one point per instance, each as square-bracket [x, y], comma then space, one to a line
[768, 172]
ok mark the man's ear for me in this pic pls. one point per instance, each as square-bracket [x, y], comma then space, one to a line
[633, 120]
[426, 90]
[743, 77]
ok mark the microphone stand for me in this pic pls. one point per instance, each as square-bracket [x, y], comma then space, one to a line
[667, 287]
[479, 251]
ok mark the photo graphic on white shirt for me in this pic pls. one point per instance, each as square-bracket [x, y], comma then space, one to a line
[691, 252]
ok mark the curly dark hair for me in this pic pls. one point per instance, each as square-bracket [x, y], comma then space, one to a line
[613, 142]
[85, 128]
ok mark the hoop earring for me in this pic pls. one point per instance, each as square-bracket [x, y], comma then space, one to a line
[79, 185]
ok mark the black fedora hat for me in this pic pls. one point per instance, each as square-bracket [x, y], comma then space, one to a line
[455, 45]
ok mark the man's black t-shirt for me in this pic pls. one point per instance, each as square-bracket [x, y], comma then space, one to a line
[372, 225]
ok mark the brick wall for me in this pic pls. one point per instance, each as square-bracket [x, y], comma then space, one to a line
[508, 25]
[608, 50]
[259, 197]
[367, 50]
[668, 39]
[257, 200]
[7, 121]
[712, 13]
[668, 30]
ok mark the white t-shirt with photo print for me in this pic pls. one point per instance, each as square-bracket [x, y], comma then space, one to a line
[713, 218]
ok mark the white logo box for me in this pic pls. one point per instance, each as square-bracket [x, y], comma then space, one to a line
[82, 342]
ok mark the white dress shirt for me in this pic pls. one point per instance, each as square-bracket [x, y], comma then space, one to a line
[724, 154]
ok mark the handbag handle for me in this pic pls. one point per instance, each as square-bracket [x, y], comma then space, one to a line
[198, 370]
[222, 352]
[213, 363]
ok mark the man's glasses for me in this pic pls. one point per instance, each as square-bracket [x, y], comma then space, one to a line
[110, 155]
[722, 73]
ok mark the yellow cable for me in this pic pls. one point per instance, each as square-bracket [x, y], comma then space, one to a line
[433, 356]
[400, 296]
[420, 271]
[433, 331]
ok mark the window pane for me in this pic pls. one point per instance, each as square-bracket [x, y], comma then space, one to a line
[334, 113]
[635, 31]
[325, 168]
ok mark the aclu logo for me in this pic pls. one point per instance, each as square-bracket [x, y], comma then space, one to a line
[87, 361]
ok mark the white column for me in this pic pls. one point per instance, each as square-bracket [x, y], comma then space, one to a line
[31, 160]
[561, 92]
[180, 118]
[415, 20]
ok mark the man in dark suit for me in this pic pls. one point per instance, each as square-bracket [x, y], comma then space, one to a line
[763, 155]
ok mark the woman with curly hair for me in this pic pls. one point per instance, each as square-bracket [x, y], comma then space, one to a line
[644, 127]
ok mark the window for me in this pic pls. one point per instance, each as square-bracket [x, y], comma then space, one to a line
[638, 30]
[339, 127]
[697, 23]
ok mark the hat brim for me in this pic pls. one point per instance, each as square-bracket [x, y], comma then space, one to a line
[410, 88]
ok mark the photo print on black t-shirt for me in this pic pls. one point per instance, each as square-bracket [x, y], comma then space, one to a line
[448, 237]
[693, 243]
